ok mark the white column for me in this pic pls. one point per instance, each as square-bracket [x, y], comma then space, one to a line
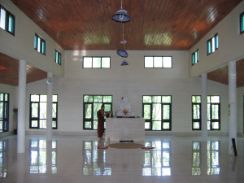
[232, 104]
[21, 107]
[49, 105]
[204, 107]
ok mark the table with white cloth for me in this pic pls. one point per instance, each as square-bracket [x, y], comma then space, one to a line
[125, 129]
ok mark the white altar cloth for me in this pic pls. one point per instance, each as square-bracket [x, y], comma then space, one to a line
[124, 129]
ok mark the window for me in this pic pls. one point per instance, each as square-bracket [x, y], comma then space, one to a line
[38, 111]
[158, 62]
[195, 57]
[7, 20]
[213, 112]
[196, 113]
[58, 58]
[39, 44]
[157, 112]
[212, 44]
[91, 104]
[158, 161]
[96, 62]
[4, 112]
[242, 22]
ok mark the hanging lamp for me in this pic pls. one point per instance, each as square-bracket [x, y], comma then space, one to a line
[121, 15]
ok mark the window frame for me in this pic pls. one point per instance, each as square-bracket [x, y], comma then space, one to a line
[213, 41]
[57, 57]
[8, 15]
[92, 62]
[40, 44]
[200, 112]
[163, 121]
[94, 113]
[242, 23]
[195, 57]
[5, 120]
[153, 64]
[210, 120]
[38, 119]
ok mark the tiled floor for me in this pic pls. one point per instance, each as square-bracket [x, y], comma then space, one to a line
[76, 159]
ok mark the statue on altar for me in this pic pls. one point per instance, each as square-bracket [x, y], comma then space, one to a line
[124, 108]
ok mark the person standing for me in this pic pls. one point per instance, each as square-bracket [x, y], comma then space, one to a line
[100, 126]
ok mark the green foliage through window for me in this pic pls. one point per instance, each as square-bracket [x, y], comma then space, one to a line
[38, 111]
[4, 112]
[91, 104]
[213, 113]
[157, 112]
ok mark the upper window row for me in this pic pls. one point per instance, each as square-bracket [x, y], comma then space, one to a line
[158, 62]
[213, 43]
[149, 61]
[7, 20]
[40, 47]
[7, 23]
[96, 62]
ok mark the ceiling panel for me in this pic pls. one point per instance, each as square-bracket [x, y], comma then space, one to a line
[221, 75]
[9, 71]
[155, 24]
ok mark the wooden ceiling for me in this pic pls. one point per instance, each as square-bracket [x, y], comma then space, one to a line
[221, 75]
[9, 69]
[155, 24]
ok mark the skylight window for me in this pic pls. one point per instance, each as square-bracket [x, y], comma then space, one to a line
[96, 62]
[212, 44]
[39, 44]
[58, 58]
[158, 61]
[7, 20]
[242, 22]
[195, 57]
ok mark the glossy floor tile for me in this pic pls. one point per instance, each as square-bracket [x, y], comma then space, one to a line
[68, 159]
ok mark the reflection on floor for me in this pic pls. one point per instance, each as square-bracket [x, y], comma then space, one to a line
[77, 159]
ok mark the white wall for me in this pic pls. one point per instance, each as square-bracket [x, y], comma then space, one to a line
[133, 81]
[231, 45]
[21, 45]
